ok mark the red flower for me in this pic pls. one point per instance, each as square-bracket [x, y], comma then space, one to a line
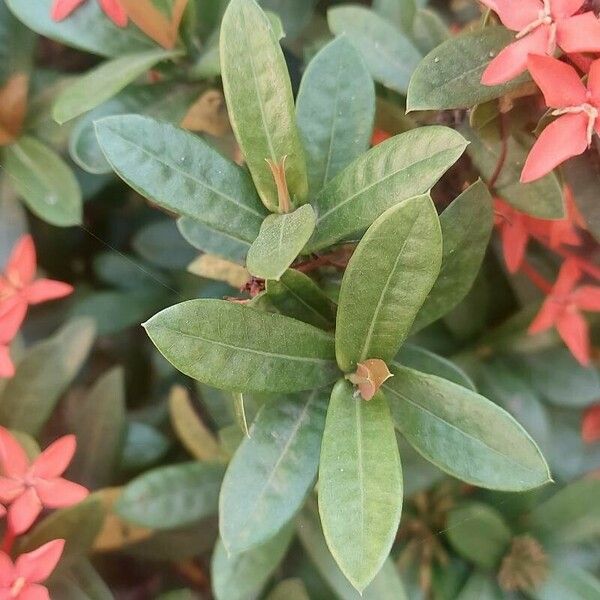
[541, 27]
[562, 309]
[29, 486]
[379, 136]
[21, 580]
[19, 288]
[514, 233]
[61, 9]
[577, 108]
[590, 428]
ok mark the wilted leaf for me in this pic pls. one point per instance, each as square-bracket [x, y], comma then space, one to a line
[13, 107]
[208, 114]
[219, 269]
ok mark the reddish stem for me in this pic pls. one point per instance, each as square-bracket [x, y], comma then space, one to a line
[536, 278]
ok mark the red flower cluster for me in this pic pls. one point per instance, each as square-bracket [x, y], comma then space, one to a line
[542, 28]
[61, 9]
[27, 487]
[18, 290]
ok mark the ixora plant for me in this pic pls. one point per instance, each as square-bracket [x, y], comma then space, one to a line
[333, 369]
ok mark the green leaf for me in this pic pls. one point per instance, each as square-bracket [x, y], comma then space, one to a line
[79, 582]
[404, 166]
[272, 353]
[294, 15]
[542, 198]
[13, 220]
[182, 173]
[161, 101]
[297, 295]
[280, 240]
[87, 28]
[466, 229]
[78, 525]
[211, 241]
[399, 12]
[17, 45]
[385, 586]
[104, 82]
[98, 421]
[481, 586]
[43, 375]
[144, 446]
[450, 75]
[401, 253]
[45, 182]
[260, 102]
[568, 582]
[172, 496]
[479, 534]
[463, 433]
[290, 589]
[360, 484]
[571, 516]
[429, 30]
[242, 576]
[335, 111]
[423, 360]
[272, 470]
[582, 173]
[390, 56]
[124, 272]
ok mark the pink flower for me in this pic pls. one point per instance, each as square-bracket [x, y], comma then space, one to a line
[21, 580]
[590, 426]
[30, 486]
[562, 309]
[577, 108]
[61, 9]
[541, 27]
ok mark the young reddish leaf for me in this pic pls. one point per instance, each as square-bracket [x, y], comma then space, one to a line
[61, 9]
[370, 375]
[13, 107]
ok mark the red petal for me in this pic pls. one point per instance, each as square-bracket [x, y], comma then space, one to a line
[558, 81]
[10, 489]
[37, 566]
[587, 297]
[7, 571]
[12, 315]
[53, 461]
[512, 61]
[115, 12]
[61, 9]
[565, 8]
[43, 290]
[24, 511]
[568, 276]
[34, 591]
[579, 34]
[564, 138]
[59, 493]
[573, 329]
[514, 244]
[7, 368]
[21, 264]
[594, 81]
[546, 318]
[517, 15]
[13, 459]
[590, 427]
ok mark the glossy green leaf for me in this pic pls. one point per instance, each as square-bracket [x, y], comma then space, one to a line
[404, 166]
[479, 534]
[386, 282]
[389, 54]
[463, 433]
[297, 295]
[481, 586]
[542, 198]
[78, 525]
[450, 75]
[43, 374]
[423, 360]
[45, 182]
[272, 353]
[242, 576]
[98, 421]
[280, 240]
[103, 82]
[162, 101]
[171, 496]
[290, 589]
[386, 585]
[260, 102]
[466, 229]
[212, 241]
[571, 516]
[335, 111]
[182, 173]
[87, 28]
[360, 484]
[272, 470]
[568, 582]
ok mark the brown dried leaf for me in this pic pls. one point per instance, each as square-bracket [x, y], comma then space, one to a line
[370, 375]
[154, 23]
[219, 269]
[208, 115]
[13, 107]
